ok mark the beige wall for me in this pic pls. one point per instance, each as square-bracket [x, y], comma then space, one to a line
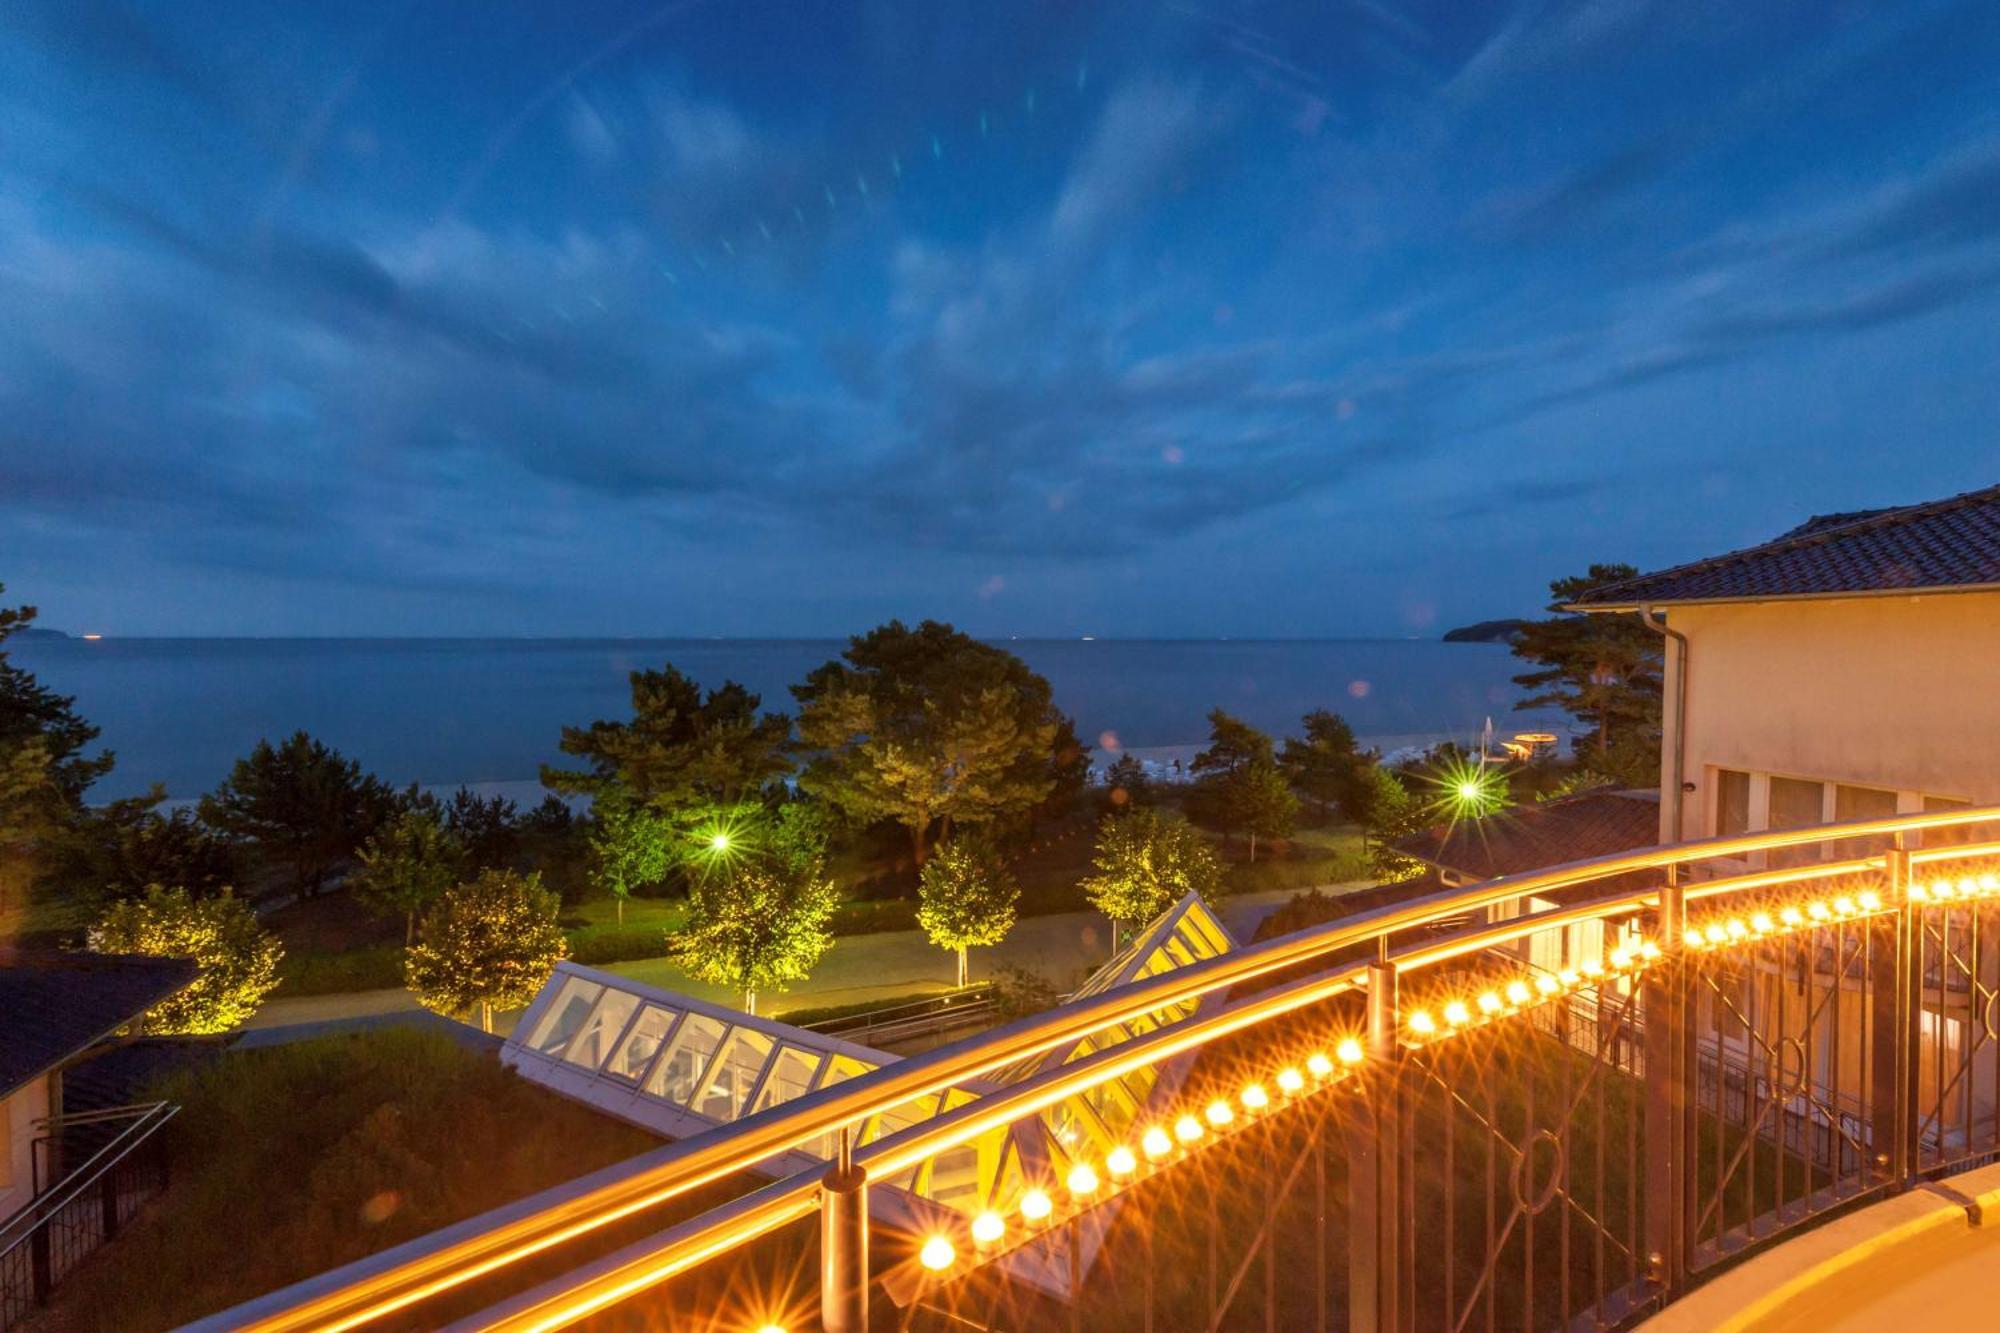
[1892, 692]
[18, 1115]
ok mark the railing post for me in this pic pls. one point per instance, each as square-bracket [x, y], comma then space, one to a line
[843, 1244]
[1895, 1000]
[1375, 1258]
[1663, 996]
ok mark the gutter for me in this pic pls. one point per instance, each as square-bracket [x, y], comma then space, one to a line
[1656, 622]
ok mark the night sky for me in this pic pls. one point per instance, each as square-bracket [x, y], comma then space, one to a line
[783, 318]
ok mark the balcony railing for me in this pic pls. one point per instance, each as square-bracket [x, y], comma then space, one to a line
[1560, 1115]
[83, 1209]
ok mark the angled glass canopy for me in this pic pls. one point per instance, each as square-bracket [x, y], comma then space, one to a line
[681, 1066]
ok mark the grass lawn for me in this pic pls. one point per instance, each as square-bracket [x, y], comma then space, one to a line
[294, 1159]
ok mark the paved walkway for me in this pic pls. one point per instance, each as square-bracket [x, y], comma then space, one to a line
[1064, 948]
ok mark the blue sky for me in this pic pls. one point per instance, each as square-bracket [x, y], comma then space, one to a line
[785, 318]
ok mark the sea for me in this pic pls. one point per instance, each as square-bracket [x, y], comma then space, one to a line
[488, 713]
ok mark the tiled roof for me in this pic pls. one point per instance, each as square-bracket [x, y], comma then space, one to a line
[1949, 543]
[53, 1005]
[1531, 837]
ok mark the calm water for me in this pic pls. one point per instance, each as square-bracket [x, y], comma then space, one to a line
[441, 711]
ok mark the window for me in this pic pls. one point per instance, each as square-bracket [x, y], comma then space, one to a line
[572, 1005]
[736, 1071]
[592, 1042]
[791, 1076]
[1852, 803]
[1796, 803]
[1732, 802]
[642, 1043]
[680, 1071]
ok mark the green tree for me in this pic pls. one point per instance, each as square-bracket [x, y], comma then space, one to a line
[679, 748]
[43, 768]
[1326, 766]
[238, 957]
[302, 804]
[488, 827]
[486, 944]
[1232, 744]
[927, 727]
[758, 927]
[30, 711]
[632, 846]
[1145, 862]
[966, 898]
[407, 864]
[121, 848]
[1603, 670]
[1126, 783]
[1259, 802]
[1394, 813]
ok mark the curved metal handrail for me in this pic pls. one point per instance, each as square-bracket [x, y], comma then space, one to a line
[371, 1288]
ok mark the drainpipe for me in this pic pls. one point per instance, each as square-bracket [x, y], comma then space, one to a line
[1656, 622]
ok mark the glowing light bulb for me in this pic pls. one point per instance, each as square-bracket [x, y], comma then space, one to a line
[1352, 1052]
[719, 842]
[1591, 967]
[1967, 887]
[1818, 912]
[1989, 883]
[1156, 1143]
[1844, 906]
[1036, 1205]
[1457, 1014]
[1737, 930]
[1082, 1180]
[1290, 1081]
[1870, 900]
[1547, 984]
[1792, 916]
[1121, 1162]
[1254, 1097]
[771, 1328]
[1519, 993]
[1319, 1065]
[1187, 1129]
[937, 1254]
[1716, 935]
[1489, 1003]
[1621, 958]
[1422, 1023]
[988, 1227]
[1649, 950]
[1569, 977]
[1762, 923]
[1219, 1114]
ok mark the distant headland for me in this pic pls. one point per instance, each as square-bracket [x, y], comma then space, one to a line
[1486, 631]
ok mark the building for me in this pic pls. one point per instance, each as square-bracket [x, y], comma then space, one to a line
[54, 1009]
[1831, 673]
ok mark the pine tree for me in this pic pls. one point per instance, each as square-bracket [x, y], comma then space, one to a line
[489, 943]
[966, 898]
[1603, 670]
[679, 748]
[1326, 766]
[301, 803]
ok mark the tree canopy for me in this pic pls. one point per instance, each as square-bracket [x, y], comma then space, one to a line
[679, 748]
[30, 712]
[632, 846]
[1394, 813]
[1145, 862]
[1232, 744]
[930, 728]
[966, 897]
[302, 803]
[238, 957]
[1603, 670]
[486, 944]
[1257, 801]
[758, 927]
[123, 847]
[1326, 766]
[407, 865]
